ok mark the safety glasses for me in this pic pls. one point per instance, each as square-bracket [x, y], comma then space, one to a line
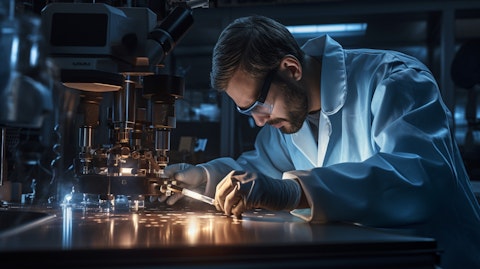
[259, 107]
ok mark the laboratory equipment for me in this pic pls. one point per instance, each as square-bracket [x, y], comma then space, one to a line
[114, 58]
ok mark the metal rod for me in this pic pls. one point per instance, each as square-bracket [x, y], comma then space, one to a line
[192, 194]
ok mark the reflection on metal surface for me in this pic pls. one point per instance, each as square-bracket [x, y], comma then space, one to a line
[15, 221]
[67, 228]
[192, 236]
[152, 228]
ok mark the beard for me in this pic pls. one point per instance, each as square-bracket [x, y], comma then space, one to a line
[296, 95]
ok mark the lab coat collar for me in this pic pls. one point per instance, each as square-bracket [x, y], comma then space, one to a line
[333, 83]
[305, 144]
[333, 93]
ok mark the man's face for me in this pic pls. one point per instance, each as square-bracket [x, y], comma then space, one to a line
[286, 96]
[295, 105]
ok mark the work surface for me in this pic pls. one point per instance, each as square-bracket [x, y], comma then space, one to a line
[203, 237]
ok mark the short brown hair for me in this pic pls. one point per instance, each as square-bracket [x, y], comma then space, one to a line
[256, 44]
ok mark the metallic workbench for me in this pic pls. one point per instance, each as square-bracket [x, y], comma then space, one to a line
[197, 236]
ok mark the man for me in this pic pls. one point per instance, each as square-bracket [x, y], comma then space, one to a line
[357, 136]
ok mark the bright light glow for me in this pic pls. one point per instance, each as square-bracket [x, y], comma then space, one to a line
[343, 28]
[67, 198]
[198, 196]
[34, 55]
[14, 51]
[125, 171]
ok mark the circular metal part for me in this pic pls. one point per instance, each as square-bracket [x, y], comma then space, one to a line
[161, 86]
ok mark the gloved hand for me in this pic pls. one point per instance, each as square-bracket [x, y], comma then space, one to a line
[240, 191]
[187, 176]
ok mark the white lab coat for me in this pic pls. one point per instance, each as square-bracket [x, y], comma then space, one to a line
[386, 156]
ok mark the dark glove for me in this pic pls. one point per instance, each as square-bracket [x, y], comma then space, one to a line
[186, 176]
[240, 191]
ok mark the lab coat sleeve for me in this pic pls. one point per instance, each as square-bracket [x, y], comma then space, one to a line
[411, 172]
[270, 157]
